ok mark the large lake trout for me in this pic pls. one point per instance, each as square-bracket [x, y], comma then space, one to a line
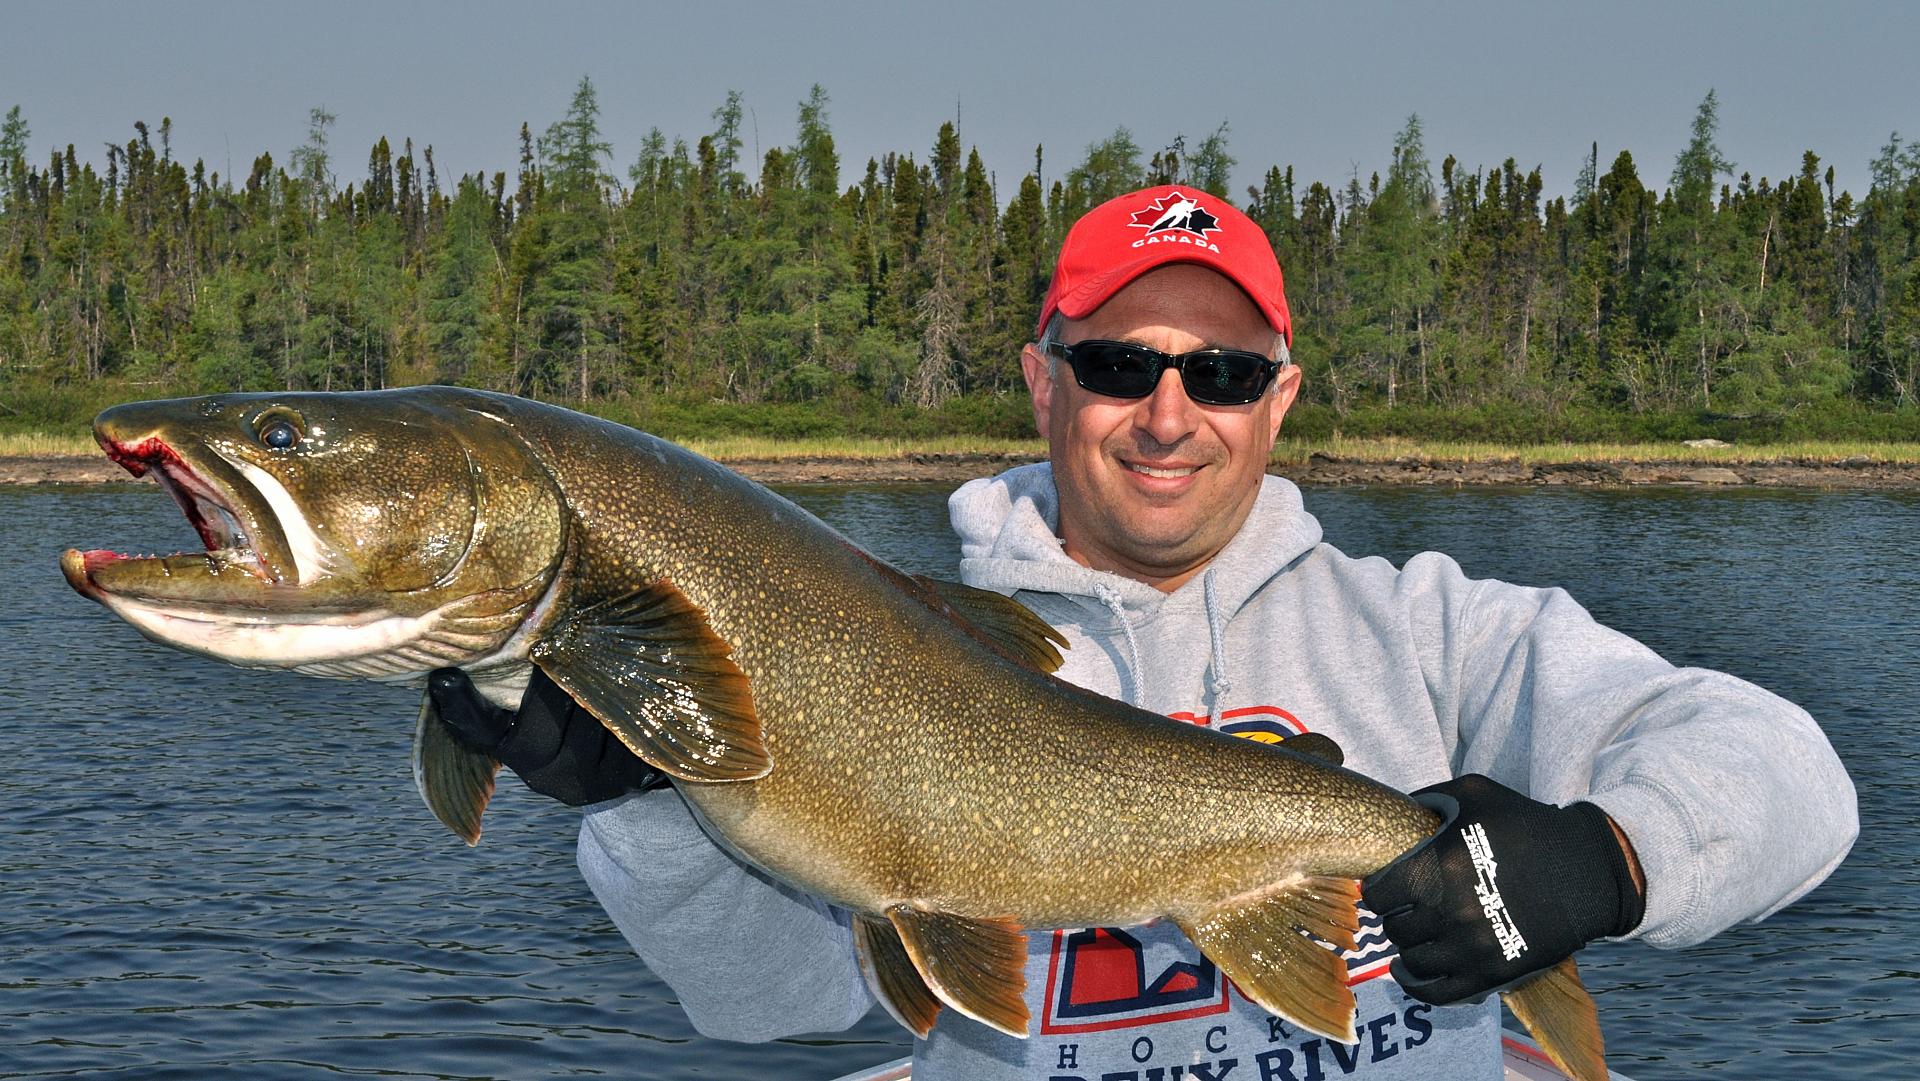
[891, 743]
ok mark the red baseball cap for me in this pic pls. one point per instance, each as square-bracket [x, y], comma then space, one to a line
[1123, 238]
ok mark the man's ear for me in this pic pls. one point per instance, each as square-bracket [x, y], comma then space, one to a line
[1286, 388]
[1039, 372]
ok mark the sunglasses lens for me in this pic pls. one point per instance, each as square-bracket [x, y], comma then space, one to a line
[1224, 377]
[1123, 370]
[1115, 369]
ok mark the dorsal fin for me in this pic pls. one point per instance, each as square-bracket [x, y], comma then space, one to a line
[1002, 623]
[999, 621]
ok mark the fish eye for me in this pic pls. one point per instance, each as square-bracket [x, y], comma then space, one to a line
[277, 432]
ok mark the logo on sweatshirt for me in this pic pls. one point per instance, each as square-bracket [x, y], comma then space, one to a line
[1104, 978]
[1262, 724]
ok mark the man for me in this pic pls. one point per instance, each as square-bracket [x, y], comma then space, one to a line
[1656, 801]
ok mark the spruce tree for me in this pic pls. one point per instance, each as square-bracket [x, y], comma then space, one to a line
[1111, 167]
[310, 161]
[14, 137]
[1694, 275]
[1209, 166]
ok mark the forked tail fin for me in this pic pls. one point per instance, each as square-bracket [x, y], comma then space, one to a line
[1563, 1020]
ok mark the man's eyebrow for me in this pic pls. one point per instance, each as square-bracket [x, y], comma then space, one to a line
[1210, 343]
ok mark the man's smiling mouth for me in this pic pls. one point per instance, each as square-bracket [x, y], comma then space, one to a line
[1162, 471]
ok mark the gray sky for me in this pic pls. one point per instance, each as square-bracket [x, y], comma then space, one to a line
[1321, 87]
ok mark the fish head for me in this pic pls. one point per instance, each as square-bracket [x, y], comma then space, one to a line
[361, 535]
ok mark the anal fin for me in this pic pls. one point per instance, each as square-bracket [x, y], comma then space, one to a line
[976, 966]
[1561, 1015]
[891, 975]
[455, 781]
[1256, 941]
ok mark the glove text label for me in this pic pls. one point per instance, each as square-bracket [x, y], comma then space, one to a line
[1484, 886]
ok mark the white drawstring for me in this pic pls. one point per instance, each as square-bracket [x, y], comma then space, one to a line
[1218, 685]
[1111, 597]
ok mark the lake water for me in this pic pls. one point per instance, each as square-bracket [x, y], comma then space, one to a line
[208, 872]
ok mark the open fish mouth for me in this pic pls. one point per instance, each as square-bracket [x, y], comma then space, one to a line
[244, 599]
[216, 515]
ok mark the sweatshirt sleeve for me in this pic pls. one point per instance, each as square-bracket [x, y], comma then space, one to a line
[750, 959]
[1733, 799]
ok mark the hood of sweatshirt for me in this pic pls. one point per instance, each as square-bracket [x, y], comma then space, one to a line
[1008, 543]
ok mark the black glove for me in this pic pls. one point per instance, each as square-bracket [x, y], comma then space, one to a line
[555, 745]
[1508, 887]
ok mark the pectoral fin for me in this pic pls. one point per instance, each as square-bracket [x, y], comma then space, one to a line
[455, 780]
[651, 668]
[891, 975]
[1560, 1014]
[1256, 941]
[976, 966]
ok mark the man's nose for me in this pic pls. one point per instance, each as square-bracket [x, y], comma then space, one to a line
[1168, 415]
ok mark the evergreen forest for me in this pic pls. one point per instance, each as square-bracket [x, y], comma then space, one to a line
[700, 290]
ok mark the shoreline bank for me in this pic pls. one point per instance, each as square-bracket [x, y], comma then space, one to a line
[1321, 469]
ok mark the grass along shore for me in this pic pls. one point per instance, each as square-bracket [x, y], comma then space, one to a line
[46, 445]
[1394, 449]
[720, 448]
[750, 448]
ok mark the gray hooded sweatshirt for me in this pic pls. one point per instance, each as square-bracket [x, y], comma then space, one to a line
[1733, 799]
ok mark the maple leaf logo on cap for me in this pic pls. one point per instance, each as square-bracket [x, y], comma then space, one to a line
[1176, 210]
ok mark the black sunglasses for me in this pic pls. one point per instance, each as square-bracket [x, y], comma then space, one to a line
[1126, 370]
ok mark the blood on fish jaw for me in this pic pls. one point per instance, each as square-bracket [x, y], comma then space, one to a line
[218, 525]
[141, 456]
[178, 479]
